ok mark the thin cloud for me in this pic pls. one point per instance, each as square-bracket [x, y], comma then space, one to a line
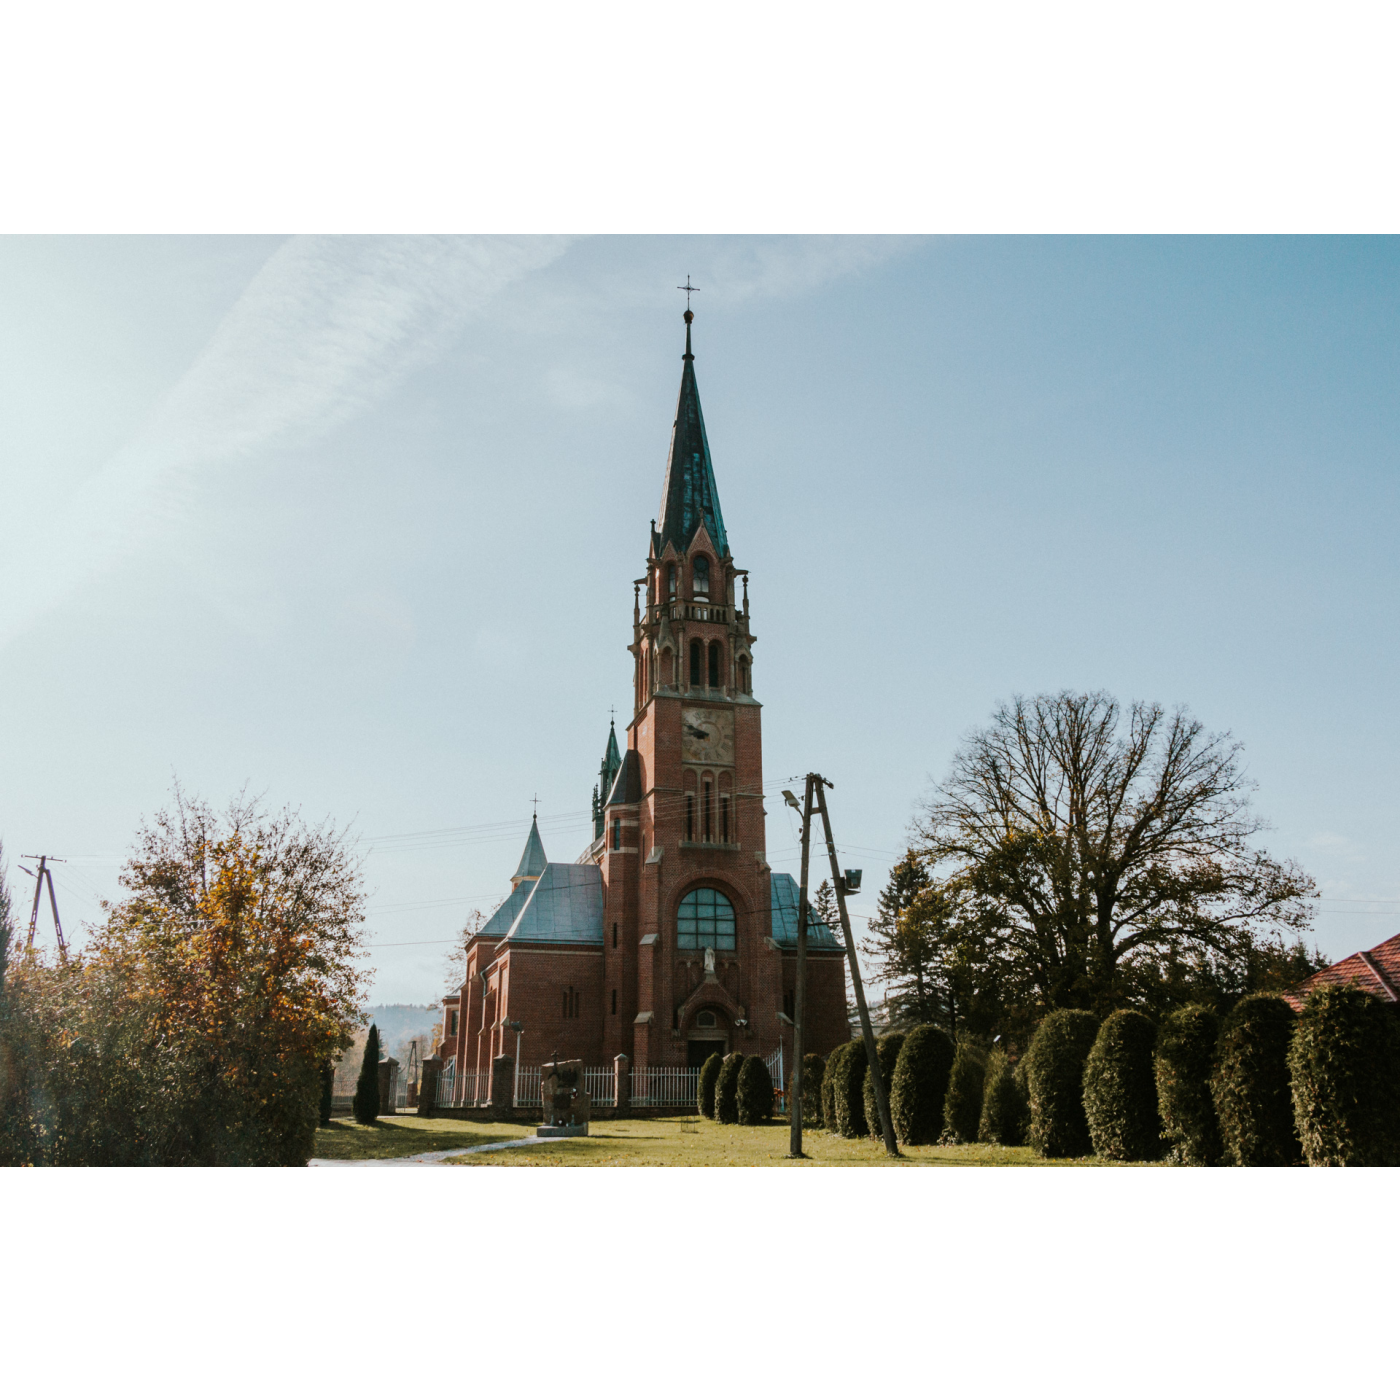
[327, 327]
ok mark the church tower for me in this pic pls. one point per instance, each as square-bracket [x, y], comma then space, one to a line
[690, 966]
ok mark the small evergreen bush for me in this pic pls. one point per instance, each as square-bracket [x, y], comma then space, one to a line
[1184, 1057]
[848, 1092]
[962, 1105]
[1055, 1082]
[919, 1085]
[1120, 1090]
[366, 1105]
[755, 1092]
[1345, 1065]
[812, 1090]
[1003, 1103]
[727, 1088]
[705, 1089]
[1251, 1084]
[833, 1062]
[887, 1048]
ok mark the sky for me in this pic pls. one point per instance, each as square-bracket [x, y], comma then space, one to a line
[352, 523]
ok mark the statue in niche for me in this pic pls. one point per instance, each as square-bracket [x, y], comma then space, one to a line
[709, 962]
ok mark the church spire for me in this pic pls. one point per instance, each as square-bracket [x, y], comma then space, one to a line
[607, 771]
[532, 858]
[689, 497]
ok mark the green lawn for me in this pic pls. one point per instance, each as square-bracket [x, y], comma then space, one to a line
[404, 1134]
[697, 1142]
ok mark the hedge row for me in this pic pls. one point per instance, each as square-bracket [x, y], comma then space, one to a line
[887, 1049]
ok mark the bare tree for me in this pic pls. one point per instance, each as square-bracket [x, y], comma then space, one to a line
[1103, 840]
[455, 963]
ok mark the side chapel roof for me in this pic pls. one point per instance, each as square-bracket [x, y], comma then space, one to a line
[565, 905]
[784, 903]
[689, 495]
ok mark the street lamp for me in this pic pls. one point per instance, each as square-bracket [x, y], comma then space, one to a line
[519, 1028]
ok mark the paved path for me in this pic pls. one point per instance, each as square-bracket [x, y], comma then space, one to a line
[426, 1159]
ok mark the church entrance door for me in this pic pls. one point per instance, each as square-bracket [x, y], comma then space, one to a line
[698, 1051]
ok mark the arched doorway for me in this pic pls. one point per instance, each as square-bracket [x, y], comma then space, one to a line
[708, 1034]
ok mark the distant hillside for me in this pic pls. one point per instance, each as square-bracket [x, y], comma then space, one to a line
[398, 1024]
[400, 1021]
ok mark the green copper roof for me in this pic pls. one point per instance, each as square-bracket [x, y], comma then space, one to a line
[689, 495]
[607, 771]
[565, 906]
[532, 858]
[785, 895]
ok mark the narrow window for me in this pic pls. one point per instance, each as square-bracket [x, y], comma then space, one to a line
[744, 675]
[578, 996]
[617, 833]
[690, 816]
[695, 664]
[724, 817]
[670, 580]
[706, 814]
[702, 578]
[714, 665]
[614, 1004]
[614, 935]
[566, 1005]
[790, 1005]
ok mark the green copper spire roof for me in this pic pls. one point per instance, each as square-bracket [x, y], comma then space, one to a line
[532, 858]
[607, 771]
[689, 495]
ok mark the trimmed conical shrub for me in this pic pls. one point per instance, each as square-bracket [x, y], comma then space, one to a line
[1345, 1065]
[1003, 1103]
[727, 1088]
[919, 1085]
[833, 1062]
[755, 1092]
[1251, 1084]
[813, 1070]
[1120, 1090]
[962, 1105]
[887, 1048]
[705, 1087]
[1055, 1081]
[327, 1092]
[848, 1092]
[1184, 1058]
[366, 1106]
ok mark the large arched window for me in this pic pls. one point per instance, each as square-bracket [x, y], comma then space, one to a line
[697, 662]
[701, 575]
[706, 920]
[714, 665]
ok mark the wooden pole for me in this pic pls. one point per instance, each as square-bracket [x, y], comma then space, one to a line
[871, 1058]
[800, 998]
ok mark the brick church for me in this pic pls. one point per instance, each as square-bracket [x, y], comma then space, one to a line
[670, 937]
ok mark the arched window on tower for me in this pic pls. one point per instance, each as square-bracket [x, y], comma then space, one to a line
[701, 575]
[744, 674]
[714, 665]
[696, 664]
[705, 920]
[670, 580]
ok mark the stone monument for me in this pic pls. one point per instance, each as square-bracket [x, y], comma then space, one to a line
[567, 1105]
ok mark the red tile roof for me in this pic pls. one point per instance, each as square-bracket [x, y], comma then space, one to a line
[1376, 972]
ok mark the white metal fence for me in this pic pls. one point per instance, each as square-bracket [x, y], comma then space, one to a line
[653, 1086]
[662, 1087]
[600, 1085]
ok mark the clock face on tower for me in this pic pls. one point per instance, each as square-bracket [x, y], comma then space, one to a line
[707, 736]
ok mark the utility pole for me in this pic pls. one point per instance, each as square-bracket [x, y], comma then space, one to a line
[40, 876]
[871, 1058]
[800, 999]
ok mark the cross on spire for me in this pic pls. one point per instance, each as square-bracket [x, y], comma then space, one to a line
[687, 289]
[536, 801]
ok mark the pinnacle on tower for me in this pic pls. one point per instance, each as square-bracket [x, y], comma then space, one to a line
[689, 497]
